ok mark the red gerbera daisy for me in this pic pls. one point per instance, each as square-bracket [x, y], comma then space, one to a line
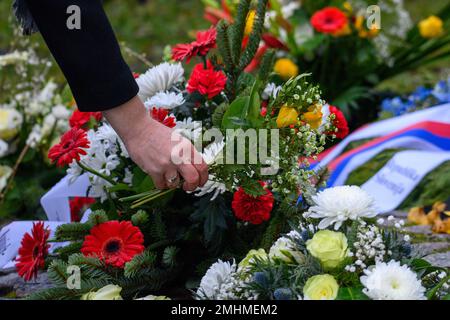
[162, 115]
[329, 20]
[205, 41]
[207, 82]
[77, 205]
[33, 250]
[114, 242]
[255, 210]
[71, 146]
[339, 122]
[81, 119]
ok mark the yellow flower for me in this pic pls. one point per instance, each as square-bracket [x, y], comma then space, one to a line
[431, 27]
[329, 247]
[250, 21]
[348, 7]
[362, 31]
[10, 122]
[109, 292]
[287, 116]
[314, 116]
[344, 31]
[250, 257]
[321, 287]
[286, 68]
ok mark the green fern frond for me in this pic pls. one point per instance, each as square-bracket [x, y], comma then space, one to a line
[57, 272]
[72, 231]
[98, 217]
[266, 66]
[238, 28]
[169, 256]
[142, 261]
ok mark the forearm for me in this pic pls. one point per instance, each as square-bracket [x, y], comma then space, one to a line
[90, 57]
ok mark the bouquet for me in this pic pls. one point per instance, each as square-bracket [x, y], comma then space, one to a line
[349, 46]
[34, 112]
[256, 137]
[338, 250]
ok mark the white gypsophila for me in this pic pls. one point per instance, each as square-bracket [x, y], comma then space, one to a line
[210, 154]
[165, 99]
[339, 204]
[3, 148]
[60, 112]
[284, 249]
[392, 281]
[270, 91]
[159, 78]
[128, 177]
[35, 136]
[189, 129]
[13, 58]
[289, 7]
[213, 283]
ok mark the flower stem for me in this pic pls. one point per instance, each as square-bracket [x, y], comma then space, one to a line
[98, 174]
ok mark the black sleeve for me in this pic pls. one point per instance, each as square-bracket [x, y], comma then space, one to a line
[90, 58]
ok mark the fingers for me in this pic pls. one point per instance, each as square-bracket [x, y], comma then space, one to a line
[190, 175]
[172, 178]
[159, 181]
[202, 170]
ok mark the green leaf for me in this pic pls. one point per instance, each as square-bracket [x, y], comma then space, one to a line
[142, 181]
[349, 293]
[236, 110]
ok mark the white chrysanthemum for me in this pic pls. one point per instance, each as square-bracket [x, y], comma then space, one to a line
[110, 140]
[189, 129]
[210, 154]
[165, 99]
[391, 281]
[218, 275]
[159, 78]
[338, 204]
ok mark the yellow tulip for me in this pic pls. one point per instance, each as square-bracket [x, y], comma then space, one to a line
[286, 117]
[286, 68]
[314, 116]
[431, 27]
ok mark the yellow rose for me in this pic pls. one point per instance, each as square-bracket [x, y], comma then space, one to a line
[314, 116]
[109, 292]
[10, 122]
[5, 173]
[284, 249]
[286, 68]
[250, 257]
[431, 27]
[287, 116]
[329, 247]
[250, 21]
[321, 287]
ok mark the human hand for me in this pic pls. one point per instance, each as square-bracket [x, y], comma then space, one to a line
[154, 147]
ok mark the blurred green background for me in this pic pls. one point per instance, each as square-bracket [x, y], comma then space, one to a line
[148, 26]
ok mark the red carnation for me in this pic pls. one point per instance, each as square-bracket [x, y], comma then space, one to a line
[162, 115]
[255, 210]
[71, 146]
[78, 205]
[33, 250]
[205, 41]
[329, 20]
[114, 242]
[339, 122]
[81, 119]
[207, 82]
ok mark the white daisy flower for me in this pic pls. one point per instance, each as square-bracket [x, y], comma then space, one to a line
[218, 275]
[339, 204]
[159, 78]
[189, 129]
[391, 281]
[165, 99]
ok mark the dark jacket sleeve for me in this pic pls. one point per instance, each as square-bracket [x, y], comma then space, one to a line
[90, 58]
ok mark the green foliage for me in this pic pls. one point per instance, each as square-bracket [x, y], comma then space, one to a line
[140, 218]
[158, 230]
[98, 217]
[143, 261]
[169, 256]
[348, 293]
[72, 231]
[266, 66]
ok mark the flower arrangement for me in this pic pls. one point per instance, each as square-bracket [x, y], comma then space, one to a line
[34, 112]
[337, 250]
[140, 238]
[348, 46]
